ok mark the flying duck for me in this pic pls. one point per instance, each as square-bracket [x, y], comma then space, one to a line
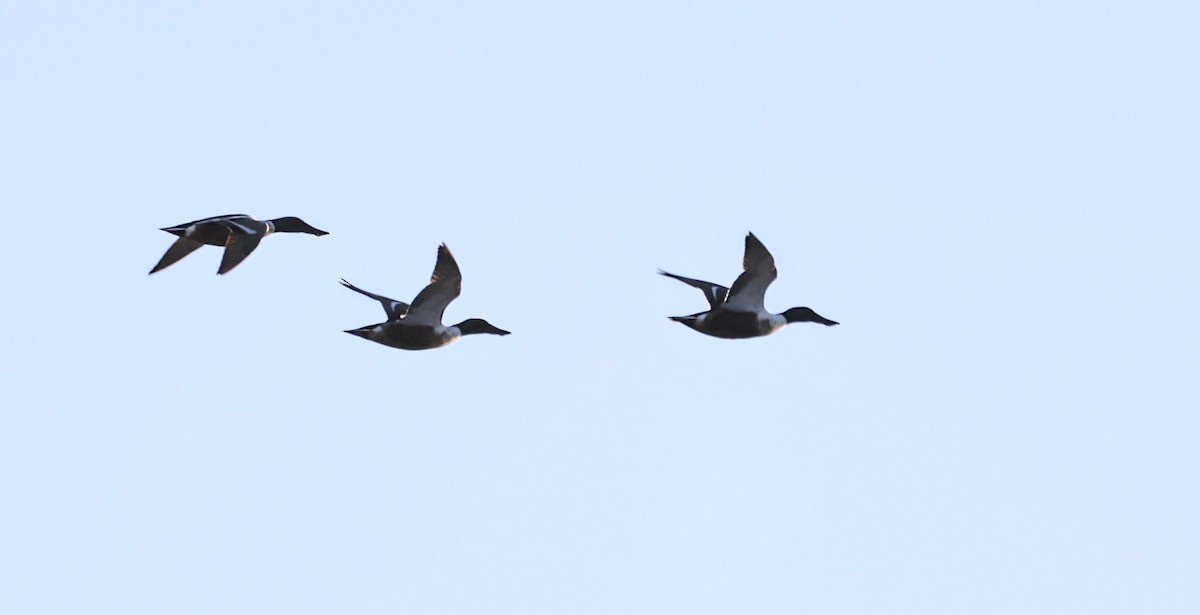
[419, 326]
[738, 312]
[239, 234]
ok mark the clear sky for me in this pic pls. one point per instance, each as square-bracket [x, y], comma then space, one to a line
[998, 203]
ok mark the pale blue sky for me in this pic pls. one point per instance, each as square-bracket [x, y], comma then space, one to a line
[997, 202]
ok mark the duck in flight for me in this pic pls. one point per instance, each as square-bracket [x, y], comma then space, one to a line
[738, 312]
[419, 326]
[238, 233]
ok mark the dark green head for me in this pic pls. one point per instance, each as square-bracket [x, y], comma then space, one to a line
[292, 224]
[803, 314]
[479, 325]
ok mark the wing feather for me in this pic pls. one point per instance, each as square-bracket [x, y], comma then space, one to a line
[445, 285]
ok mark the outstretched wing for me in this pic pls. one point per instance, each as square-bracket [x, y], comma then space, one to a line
[181, 248]
[237, 248]
[444, 286]
[750, 288]
[395, 309]
[244, 234]
[715, 293]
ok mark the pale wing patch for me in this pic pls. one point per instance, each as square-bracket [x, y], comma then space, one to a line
[749, 291]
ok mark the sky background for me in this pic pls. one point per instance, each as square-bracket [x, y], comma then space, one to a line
[998, 203]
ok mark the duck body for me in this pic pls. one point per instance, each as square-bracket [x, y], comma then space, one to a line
[738, 312]
[408, 337]
[215, 231]
[418, 326]
[239, 234]
[732, 324]
[404, 336]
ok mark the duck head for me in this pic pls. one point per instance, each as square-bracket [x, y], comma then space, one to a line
[803, 314]
[479, 325]
[292, 224]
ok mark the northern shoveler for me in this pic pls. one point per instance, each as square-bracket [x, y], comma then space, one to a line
[738, 312]
[419, 326]
[239, 234]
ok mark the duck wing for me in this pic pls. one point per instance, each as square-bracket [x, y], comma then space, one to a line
[244, 234]
[237, 248]
[395, 309]
[181, 248]
[445, 285]
[750, 288]
[715, 293]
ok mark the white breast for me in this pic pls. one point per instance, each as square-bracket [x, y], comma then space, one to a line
[772, 322]
[449, 335]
